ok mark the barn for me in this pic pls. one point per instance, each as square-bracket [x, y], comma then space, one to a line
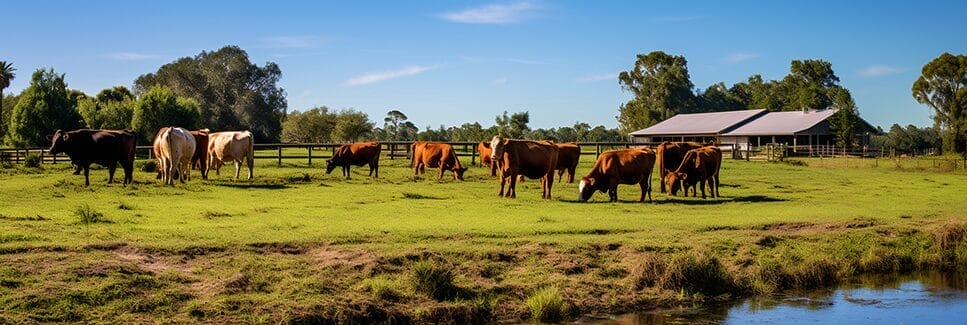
[798, 130]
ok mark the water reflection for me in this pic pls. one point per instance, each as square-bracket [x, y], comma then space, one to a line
[931, 298]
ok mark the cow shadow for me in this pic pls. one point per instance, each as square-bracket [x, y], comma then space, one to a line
[688, 201]
[260, 186]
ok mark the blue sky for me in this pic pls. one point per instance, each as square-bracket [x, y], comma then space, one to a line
[449, 63]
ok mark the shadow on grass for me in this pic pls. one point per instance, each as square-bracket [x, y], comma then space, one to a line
[261, 186]
[687, 200]
[417, 196]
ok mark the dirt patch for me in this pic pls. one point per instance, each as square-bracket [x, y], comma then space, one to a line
[357, 259]
[153, 263]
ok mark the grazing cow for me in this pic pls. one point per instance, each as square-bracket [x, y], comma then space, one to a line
[698, 166]
[416, 151]
[628, 166]
[231, 146]
[483, 148]
[107, 148]
[200, 157]
[534, 159]
[176, 147]
[356, 154]
[568, 155]
[435, 154]
[670, 155]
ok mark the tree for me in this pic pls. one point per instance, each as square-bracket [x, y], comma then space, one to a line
[312, 126]
[755, 93]
[661, 88]
[941, 86]
[6, 75]
[810, 84]
[9, 101]
[43, 108]
[397, 128]
[233, 93]
[846, 118]
[114, 94]
[718, 98]
[470, 132]
[159, 107]
[112, 108]
[351, 125]
[513, 126]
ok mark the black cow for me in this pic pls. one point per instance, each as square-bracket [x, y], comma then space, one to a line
[103, 147]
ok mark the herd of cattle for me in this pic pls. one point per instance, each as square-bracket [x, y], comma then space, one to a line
[682, 165]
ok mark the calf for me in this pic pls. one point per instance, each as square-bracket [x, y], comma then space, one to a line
[356, 154]
[628, 166]
[670, 155]
[568, 155]
[107, 148]
[698, 166]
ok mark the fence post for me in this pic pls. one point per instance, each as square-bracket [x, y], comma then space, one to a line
[280, 156]
[310, 155]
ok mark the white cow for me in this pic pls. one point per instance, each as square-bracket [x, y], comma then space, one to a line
[231, 146]
[175, 146]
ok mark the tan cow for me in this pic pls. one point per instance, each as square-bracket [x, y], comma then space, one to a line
[670, 155]
[233, 146]
[437, 155]
[698, 167]
[534, 159]
[628, 166]
[175, 147]
[483, 149]
[356, 154]
[568, 156]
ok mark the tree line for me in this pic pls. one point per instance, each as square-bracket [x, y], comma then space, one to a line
[224, 90]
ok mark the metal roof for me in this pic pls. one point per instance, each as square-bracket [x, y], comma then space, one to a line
[782, 123]
[700, 123]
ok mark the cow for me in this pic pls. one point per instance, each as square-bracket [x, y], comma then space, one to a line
[534, 159]
[200, 157]
[107, 148]
[356, 154]
[483, 148]
[628, 166]
[437, 155]
[175, 146]
[233, 146]
[670, 155]
[698, 167]
[568, 155]
[416, 149]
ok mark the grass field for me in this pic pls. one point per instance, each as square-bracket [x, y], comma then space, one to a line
[295, 244]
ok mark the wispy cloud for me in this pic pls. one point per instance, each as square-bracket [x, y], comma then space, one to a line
[736, 58]
[598, 77]
[677, 19]
[132, 56]
[500, 81]
[291, 42]
[375, 77]
[879, 70]
[498, 14]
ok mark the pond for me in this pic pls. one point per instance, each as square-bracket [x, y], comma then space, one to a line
[922, 298]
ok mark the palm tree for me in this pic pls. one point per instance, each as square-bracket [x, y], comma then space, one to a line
[6, 74]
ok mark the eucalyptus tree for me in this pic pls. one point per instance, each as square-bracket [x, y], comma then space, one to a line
[942, 85]
[661, 88]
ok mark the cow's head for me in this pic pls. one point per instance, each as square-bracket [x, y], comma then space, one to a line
[497, 147]
[674, 181]
[586, 188]
[59, 142]
[330, 166]
[458, 173]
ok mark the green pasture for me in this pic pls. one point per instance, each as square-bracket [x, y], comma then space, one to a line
[297, 244]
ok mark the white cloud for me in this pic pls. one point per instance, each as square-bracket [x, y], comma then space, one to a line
[387, 75]
[132, 56]
[493, 14]
[736, 58]
[598, 77]
[500, 81]
[879, 70]
[291, 42]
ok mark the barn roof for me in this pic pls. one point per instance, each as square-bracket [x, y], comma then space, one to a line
[782, 123]
[700, 123]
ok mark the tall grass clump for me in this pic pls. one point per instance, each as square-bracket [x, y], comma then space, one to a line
[32, 161]
[547, 305]
[434, 280]
[948, 241]
[696, 272]
[383, 287]
[87, 215]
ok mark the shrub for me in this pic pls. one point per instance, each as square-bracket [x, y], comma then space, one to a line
[87, 215]
[149, 166]
[433, 280]
[32, 161]
[547, 305]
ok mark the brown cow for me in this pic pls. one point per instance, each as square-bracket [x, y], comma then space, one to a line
[416, 151]
[107, 148]
[670, 155]
[356, 154]
[233, 146]
[435, 154]
[628, 166]
[483, 148]
[200, 157]
[568, 155]
[698, 166]
[534, 159]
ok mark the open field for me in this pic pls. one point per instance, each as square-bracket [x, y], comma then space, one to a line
[296, 245]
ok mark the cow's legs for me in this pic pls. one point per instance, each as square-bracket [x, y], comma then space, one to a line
[570, 174]
[512, 190]
[87, 179]
[550, 184]
[345, 171]
[238, 167]
[503, 181]
[613, 190]
[702, 185]
[128, 172]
